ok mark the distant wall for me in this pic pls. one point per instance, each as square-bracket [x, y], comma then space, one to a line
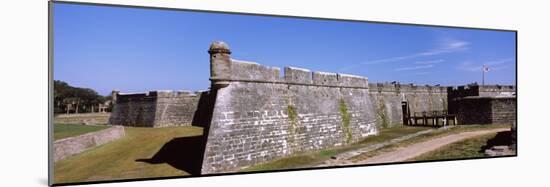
[154, 109]
[456, 93]
[387, 98]
[486, 110]
[504, 110]
[100, 118]
[259, 116]
[73, 145]
[175, 108]
[497, 90]
[134, 110]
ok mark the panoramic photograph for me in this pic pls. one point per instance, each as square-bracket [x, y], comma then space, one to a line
[145, 93]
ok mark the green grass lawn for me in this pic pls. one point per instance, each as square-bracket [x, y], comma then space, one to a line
[68, 130]
[428, 136]
[310, 159]
[120, 159]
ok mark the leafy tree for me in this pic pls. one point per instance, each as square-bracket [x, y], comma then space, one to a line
[69, 99]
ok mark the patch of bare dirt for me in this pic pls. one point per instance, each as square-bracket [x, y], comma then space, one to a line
[414, 150]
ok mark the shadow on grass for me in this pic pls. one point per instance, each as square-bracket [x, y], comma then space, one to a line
[502, 138]
[185, 153]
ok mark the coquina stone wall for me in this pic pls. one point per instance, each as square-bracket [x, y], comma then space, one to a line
[387, 99]
[497, 91]
[455, 95]
[486, 110]
[259, 116]
[154, 109]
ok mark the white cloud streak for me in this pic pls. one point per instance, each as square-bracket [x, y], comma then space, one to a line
[493, 65]
[448, 46]
[415, 67]
[421, 73]
[430, 62]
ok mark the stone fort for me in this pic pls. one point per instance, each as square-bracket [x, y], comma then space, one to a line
[252, 115]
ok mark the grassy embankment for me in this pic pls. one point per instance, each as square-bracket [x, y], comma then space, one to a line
[88, 118]
[141, 153]
[68, 125]
[309, 159]
[68, 130]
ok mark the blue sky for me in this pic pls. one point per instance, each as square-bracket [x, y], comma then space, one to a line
[136, 50]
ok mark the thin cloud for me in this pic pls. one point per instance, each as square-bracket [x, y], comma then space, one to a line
[421, 73]
[493, 65]
[415, 67]
[447, 46]
[430, 62]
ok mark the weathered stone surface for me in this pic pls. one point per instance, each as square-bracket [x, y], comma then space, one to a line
[497, 91]
[486, 110]
[486, 91]
[353, 81]
[221, 67]
[325, 78]
[244, 70]
[155, 109]
[73, 145]
[257, 122]
[387, 98]
[298, 75]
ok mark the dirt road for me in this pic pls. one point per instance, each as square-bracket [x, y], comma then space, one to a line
[412, 151]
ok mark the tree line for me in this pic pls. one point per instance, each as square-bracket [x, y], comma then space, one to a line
[69, 99]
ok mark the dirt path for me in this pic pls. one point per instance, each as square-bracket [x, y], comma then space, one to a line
[344, 158]
[412, 151]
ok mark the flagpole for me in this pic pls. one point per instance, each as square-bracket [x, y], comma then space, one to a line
[483, 76]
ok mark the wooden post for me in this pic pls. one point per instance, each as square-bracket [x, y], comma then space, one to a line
[424, 120]
[405, 113]
[456, 121]
[77, 105]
